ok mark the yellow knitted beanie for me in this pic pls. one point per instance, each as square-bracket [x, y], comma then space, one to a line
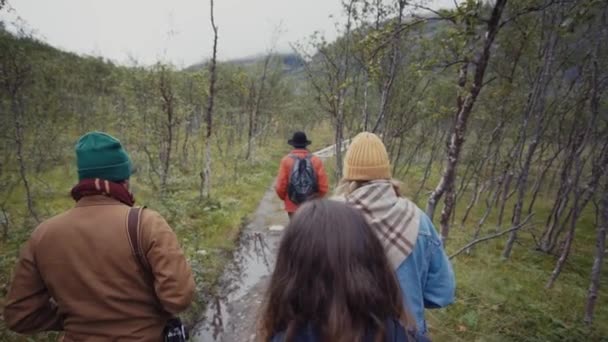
[366, 159]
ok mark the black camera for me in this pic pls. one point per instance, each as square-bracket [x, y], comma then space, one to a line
[175, 331]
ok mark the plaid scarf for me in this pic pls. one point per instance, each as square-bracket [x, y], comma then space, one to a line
[395, 219]
[91, 187]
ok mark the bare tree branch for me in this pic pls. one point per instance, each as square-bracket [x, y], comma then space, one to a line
[492, 236]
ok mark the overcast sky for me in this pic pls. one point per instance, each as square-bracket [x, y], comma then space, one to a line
[178, 31]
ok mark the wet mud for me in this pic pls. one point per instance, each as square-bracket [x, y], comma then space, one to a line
[232, 314]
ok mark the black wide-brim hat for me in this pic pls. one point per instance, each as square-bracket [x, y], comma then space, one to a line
[299, 140]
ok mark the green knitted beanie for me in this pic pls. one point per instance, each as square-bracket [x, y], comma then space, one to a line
[100, 155]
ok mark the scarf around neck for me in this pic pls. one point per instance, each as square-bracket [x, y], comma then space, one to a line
[96, 186]
[396, 220]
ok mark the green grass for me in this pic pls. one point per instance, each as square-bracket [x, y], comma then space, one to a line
[506, 300]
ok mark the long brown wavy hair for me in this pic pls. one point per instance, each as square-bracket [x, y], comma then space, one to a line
[331, 272]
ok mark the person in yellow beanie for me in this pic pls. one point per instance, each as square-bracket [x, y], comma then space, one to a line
[410, 240]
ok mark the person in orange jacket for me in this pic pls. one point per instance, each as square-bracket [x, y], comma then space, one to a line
[303, 181]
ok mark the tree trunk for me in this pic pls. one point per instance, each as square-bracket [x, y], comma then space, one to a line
[581, 198]
[395, 57]
[365, 109]
[536, 104]
[18, 123]
[405, 170]
[453, 149]
[342, 77]
[465, 107]
[429, 165]
[599, 169]
[206, 174]
[6, 224]
[598, 261]
[508, 178]
[562, 198]
[166, 91]
[602, 226]
[541, 179]
[253, 117]
[15, 72]
[471, 203]
[339, 139]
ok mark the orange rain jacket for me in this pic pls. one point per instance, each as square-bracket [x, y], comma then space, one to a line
[282, 183]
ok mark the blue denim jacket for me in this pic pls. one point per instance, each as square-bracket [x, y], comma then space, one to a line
[426, 276]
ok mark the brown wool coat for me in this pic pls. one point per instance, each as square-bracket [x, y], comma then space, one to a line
[81, 260]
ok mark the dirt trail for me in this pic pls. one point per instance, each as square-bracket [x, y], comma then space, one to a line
[231, 316]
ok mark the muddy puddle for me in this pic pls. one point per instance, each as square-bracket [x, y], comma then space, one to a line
[231, 315]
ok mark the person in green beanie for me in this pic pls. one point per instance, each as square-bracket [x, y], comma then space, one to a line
[83, 272]
[100, 155]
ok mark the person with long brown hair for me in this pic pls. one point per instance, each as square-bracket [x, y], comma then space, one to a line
[333, 282]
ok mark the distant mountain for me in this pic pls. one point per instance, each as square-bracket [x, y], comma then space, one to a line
[290, 62]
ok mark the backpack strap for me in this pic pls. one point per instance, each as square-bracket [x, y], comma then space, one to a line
[134, 234]
[294, 157]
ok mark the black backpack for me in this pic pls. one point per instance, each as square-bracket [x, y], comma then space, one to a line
[302, 180]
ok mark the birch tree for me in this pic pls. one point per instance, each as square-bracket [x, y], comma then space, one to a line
[465, 103]
[206, 174]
